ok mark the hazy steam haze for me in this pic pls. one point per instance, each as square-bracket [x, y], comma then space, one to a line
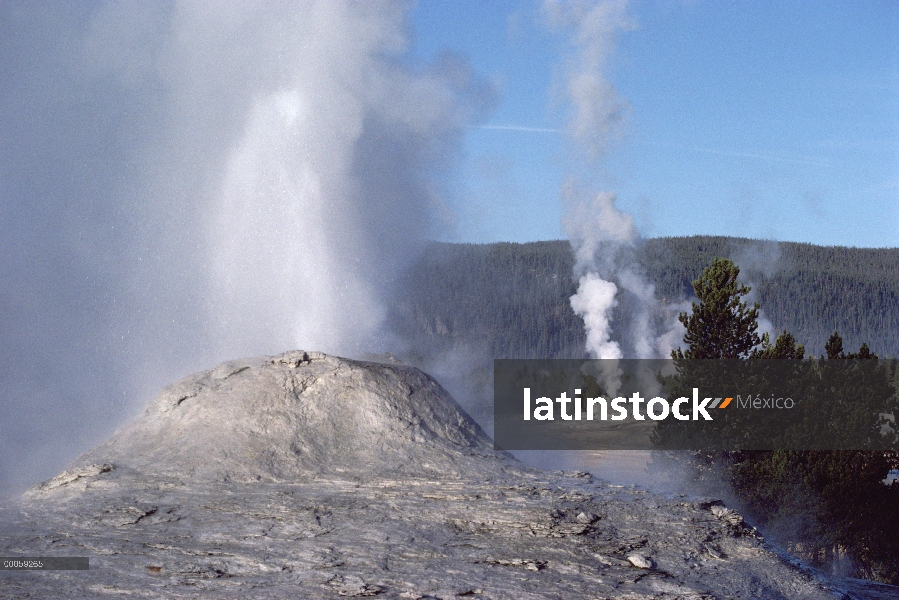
[188, 183]
[597, 113]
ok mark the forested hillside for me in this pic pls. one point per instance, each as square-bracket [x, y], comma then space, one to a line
[511, 300]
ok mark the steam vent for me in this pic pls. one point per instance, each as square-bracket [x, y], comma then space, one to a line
[311, 476]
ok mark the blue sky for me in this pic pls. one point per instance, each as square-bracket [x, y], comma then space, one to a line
[771, 120]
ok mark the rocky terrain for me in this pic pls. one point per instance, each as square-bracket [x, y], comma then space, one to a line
[312, 476]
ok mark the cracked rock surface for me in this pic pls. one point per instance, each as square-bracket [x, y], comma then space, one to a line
[311, 476]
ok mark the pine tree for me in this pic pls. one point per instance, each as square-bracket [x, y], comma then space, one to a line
[785, 346]
[822, 502]
[722, 325]
[834, 347]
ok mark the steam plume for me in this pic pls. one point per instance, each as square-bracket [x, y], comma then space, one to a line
[603, 238]
[594, 301]
[593, 27]
[190, 182]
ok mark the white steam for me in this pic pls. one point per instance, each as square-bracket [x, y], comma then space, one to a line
[593, 302]
[603, 238]
[592, 27]
[758, 260]
[620, 312]
[297, 151]
[184, 183]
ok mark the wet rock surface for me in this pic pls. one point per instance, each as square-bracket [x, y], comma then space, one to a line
[301, 510]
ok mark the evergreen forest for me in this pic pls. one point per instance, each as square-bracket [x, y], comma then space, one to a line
[512, 300]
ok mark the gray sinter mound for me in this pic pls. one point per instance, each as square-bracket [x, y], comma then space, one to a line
[296, 416]
[312, 476]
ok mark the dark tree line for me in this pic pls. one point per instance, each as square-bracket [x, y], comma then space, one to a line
[511, 300]
[829, 506]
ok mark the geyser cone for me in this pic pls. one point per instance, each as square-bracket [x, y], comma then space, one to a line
[298, 415]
